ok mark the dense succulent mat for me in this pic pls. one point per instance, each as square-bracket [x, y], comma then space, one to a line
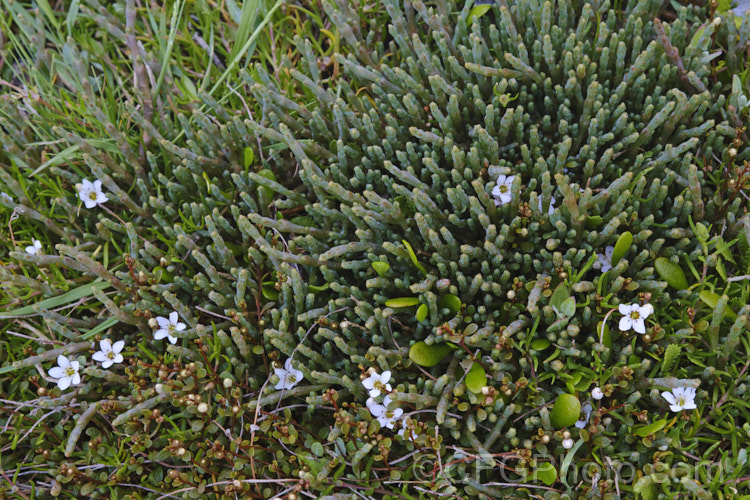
[357, 230]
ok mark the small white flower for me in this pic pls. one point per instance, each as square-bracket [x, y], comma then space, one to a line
[586, 416]
[633, 316]
[502, 191]
[376, 383]
[681, 398]
[168, 326]
[91, 193]
[551, 205]
[66, 372]
[288, 376]
[405, 432]
[597, 393]
[568, 443]
[35, 247]
[110, 353]
[386, 417]
[254, 428]
[604, 260]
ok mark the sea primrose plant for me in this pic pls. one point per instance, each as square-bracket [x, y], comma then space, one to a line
[460, 268]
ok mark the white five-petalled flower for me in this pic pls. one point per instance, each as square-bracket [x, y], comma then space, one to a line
[66, 372]
[568, 443]
[633, 316]
[604, 260]
[35, 247]
[386, 417]
[502, 191]
[586, 416]
[91, 193]
[288, 376]
[377, 383]
[597, 393]
[681, 398]
[405, 432]
[110, 353]
[168, 326]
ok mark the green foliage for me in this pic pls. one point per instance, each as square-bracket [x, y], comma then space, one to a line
[566, 411]
[322, 193]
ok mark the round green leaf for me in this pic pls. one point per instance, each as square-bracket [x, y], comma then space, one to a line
[559, 296]
[546, 472]
[248, 156]
[671, 273]
[566, 411]
[265, 194]
[402, 302]
[476, 12]
[621, 247]
[476, 378]
[711, 299]
[540, 344]
[317, 449]
[650, 428]
[269, 293]
[381, 267]
[428, 355]
[645, 489]
[593, 222]
[451, 302]
[422, 312]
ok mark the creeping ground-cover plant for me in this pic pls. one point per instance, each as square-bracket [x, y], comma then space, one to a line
[417, 249]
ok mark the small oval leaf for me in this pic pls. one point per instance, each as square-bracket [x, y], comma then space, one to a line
[265, 194]
[650, 428]
[269, 293]
[568, 307]
[402, 302]
[422, 312]
[560, 294]
[540, 344]
[413, 257]
[546, 472]
[566, 411]
[451, 302]
[711, 299]
[476, 378]
[593, 222]
[671, 273]
[621, 247]
[381, 268]
[428, 355]
[476, 12]
[248, 156]
[318, 289]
